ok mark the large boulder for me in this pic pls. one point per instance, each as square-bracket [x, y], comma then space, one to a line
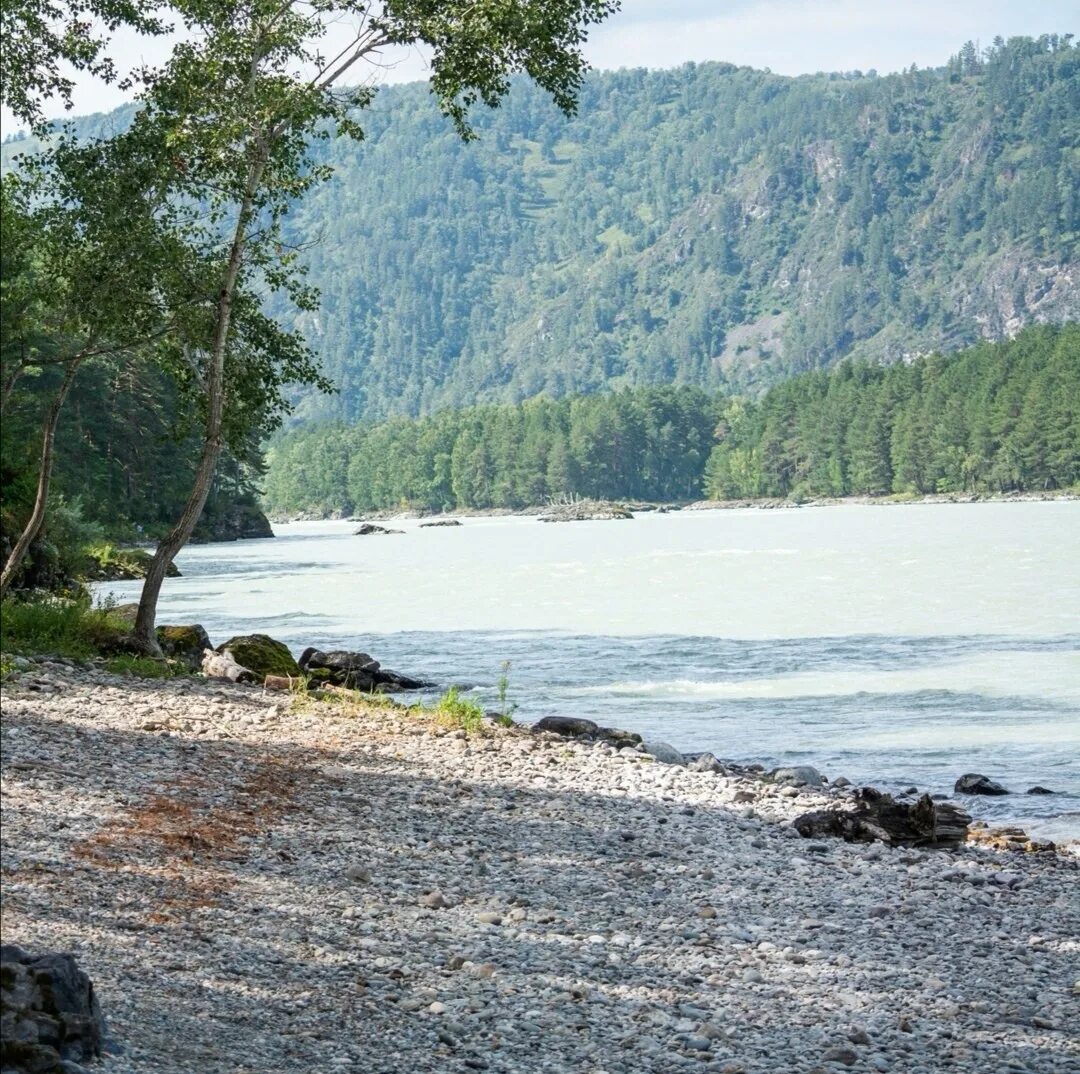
[184, 643]
[664, 752]
[973, 783]
[800, 775]
[878, 817]
[49, 1015]
[239, 520]
[261, 655]
[571, 726]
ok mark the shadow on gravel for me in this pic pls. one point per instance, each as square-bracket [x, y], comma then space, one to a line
[216, 913]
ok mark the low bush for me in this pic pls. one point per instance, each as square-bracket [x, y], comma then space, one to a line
[65, 627]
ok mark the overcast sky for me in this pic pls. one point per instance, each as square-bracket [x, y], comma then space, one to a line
[788, 36]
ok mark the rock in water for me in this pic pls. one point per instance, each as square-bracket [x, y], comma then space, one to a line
[1040, 790]
[586, 511]
[973, 783]
[369, 529]
[48, 1013]
[440, 522]
[262, 655]
[880, 818]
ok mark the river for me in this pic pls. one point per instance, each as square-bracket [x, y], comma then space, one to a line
[899, 645]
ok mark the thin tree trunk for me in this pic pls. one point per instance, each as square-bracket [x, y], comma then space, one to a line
[37, 516]
[144, 635]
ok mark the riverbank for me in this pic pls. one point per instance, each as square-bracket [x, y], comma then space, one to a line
[764, 503]
[253, 888]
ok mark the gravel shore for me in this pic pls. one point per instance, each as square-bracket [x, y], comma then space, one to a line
[255, 889]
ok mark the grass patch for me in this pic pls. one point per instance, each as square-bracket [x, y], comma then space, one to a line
[70, 628]
[452, 710]
[145, 667]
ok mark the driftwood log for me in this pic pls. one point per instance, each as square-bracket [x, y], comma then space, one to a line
[879, 817]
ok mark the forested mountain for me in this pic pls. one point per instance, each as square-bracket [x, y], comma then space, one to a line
[996, 417]
[709, 225]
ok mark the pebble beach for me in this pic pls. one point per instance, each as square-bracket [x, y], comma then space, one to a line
[259, 886]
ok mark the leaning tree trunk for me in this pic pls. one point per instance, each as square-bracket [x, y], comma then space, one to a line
[144, 635]
[37, 515]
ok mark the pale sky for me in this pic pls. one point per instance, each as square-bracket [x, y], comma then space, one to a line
[788, 36]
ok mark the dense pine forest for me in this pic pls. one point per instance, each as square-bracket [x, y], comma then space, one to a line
[708, 225]
[992, 418]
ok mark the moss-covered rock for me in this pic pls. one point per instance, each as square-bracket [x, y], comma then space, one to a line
[107, 563]
[262, 655]
[184, 643]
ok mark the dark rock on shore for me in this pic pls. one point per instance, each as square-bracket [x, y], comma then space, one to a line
[261, 655]
[878, 817]
[355, 671]
[572, 726]
[184, 643]
[369, 529]
[973, 783]
[440, 522]
[49, 1016]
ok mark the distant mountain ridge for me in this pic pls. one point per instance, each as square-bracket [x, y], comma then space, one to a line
[708, 225]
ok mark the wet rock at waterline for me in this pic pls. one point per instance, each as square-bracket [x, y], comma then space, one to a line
[572, 726]
[664, 752]
[355, 671]
[802, 775]
[49, 1015]
[974, 783]
[439, 522]
[879, 817]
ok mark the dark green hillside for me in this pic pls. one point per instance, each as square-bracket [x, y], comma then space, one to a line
[997, 417]
[710, 225]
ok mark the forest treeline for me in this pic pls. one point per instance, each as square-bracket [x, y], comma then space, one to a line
[649, 443]
[994, 417]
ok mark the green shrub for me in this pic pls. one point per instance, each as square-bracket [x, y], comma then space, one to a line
[71, 628]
